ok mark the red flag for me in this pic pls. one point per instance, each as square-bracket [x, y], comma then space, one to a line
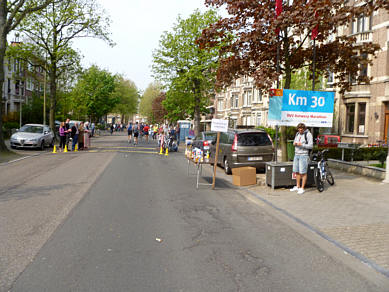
[278, 7]
[278, 12]
[315, 30]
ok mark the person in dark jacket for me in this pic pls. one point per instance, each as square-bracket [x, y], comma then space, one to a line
[74, 134]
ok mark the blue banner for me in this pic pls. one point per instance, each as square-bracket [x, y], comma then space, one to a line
[308, 101]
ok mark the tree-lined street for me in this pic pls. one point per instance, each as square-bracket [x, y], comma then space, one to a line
[128, 221]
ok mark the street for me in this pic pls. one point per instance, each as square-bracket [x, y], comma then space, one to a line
[124, 218]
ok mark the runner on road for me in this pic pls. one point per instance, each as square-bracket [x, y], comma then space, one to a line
[136, 133]
[146, 132]
[129, 132]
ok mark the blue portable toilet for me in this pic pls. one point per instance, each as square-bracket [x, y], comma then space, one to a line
[184, 129]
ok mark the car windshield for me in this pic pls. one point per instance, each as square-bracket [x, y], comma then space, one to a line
[31, 129]
[209, 136]
[253, 139]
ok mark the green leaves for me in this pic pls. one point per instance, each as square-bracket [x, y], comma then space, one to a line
[95, 92]
[187, 71]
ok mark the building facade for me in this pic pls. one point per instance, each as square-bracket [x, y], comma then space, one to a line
[360, 115]
[20, 82]
[242, 104]
[364, 111]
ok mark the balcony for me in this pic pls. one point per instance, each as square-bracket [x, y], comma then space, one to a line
[364, 37]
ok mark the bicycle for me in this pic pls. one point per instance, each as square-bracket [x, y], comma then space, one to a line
[322, 173]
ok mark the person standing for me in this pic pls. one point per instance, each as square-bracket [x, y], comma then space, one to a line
[303, 143]
[67, 132]
[74, 135]
[81, 136]
[62, 136]
[92, 129]
[178, 134]
[86, 135]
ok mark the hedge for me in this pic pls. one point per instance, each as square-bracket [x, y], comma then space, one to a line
[365, 153]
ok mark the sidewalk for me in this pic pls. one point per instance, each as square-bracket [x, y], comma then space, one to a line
[353, 214]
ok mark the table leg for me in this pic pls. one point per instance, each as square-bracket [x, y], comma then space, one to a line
[198, 176]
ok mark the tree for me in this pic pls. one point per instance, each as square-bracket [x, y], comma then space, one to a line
[184, 68]
[159, 111]
[51, 33]
[145, 106]
[11, 14]
[95, 93]
[253, 51]
[127, 93]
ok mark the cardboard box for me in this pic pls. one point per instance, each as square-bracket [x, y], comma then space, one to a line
[244, 176]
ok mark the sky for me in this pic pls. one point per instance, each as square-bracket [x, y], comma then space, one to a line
[136, 28]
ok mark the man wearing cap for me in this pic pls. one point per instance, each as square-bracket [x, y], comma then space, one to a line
[303, 143]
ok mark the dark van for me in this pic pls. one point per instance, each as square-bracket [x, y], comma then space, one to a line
[243, 148]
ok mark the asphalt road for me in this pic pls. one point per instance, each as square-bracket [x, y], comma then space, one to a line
[143, 226]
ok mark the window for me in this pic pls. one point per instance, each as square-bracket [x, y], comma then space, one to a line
[361, 118]
[361, 24]
[259, 95]
[9, 85]
[259, 119]
[350, 115]
[247, 97]
[235, 100]
[220, 105]
[17, 86]
[22, 88]
[363, 66]
[253, 139]
[330, 79]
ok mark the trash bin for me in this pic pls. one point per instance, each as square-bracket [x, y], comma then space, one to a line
[290, 149]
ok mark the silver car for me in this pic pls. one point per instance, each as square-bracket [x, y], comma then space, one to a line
[32, 136]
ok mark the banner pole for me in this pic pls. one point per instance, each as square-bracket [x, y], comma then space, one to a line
[314, 65]
[215, 161]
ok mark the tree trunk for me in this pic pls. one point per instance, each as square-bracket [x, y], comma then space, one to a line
[197, 100]
[3, 45]
[53, 95]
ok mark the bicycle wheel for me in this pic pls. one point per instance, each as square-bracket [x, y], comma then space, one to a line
[330, 178]
[318, 181]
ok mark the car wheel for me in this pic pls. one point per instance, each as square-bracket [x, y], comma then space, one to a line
[42, 147]
[227, 168]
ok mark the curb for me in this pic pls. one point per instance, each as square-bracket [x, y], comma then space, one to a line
[343, 247]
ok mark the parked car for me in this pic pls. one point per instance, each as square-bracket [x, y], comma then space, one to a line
[204, 140]
[33, 136]
[239, 148]
[328, 140]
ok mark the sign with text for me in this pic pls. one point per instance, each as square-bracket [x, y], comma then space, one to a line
[313, 108]
[219, 125]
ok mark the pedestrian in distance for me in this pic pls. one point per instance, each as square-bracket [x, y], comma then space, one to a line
[67, 132]
[74, 135]
[129, 132]
[92, 129]
[112, 128]
[136, 133]
[146, 129]
[62, 136]
[81, 136]
[303, 143]
[178, 134]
